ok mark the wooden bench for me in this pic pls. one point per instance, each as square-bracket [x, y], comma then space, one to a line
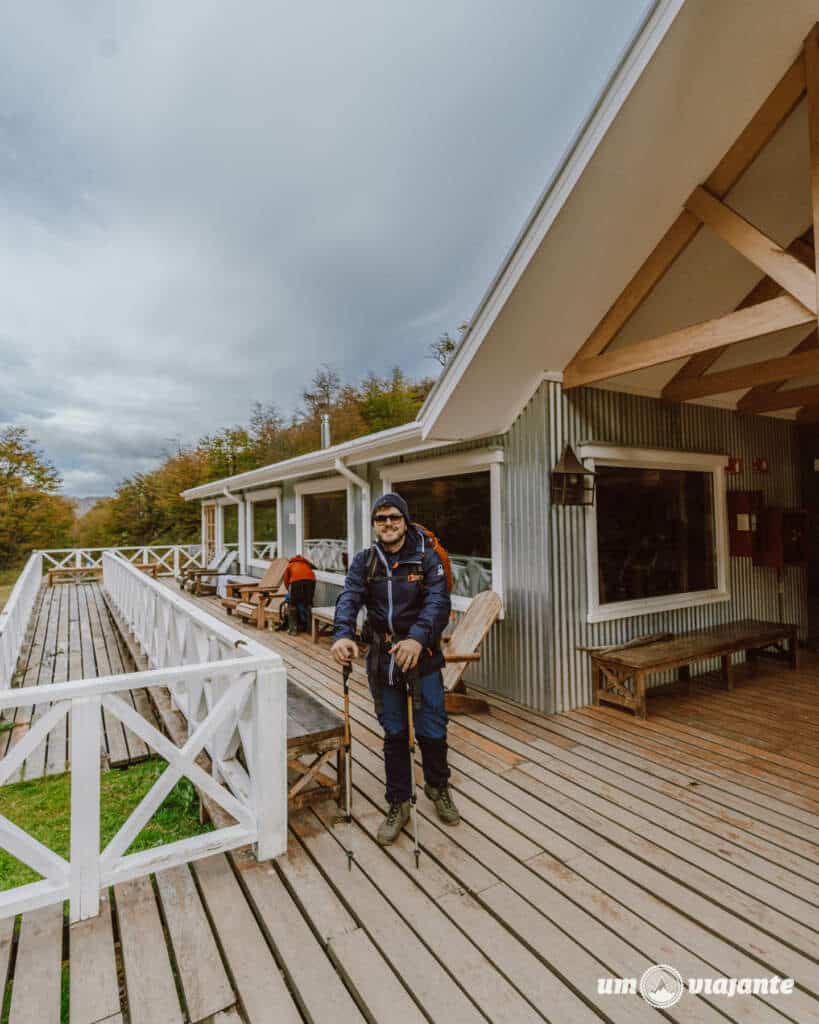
[620, 674]
[312, 730]
[321, 622]
[74, 573]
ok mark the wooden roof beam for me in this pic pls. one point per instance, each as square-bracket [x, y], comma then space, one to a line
[742, 325]
[763, 290]
[750, 242]
[762, 126]
[782, 368]
[792, 398]
[748, 402]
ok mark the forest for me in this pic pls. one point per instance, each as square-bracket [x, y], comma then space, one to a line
[146, 508]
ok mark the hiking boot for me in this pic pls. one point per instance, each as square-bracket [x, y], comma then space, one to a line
[397, 817]
[444, 804]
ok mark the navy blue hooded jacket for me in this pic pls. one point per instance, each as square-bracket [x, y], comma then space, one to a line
[405, 594]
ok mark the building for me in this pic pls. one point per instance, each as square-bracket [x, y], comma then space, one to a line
[658, 313]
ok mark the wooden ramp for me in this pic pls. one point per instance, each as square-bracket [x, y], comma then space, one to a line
[592, 846]
[72, 636]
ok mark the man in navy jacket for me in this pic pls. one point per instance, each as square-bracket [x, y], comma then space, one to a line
[402, 582]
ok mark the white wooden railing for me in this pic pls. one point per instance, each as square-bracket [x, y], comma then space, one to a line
[326, 553]
[265, 549]
[15, 617]
[171, 558]
[233, 693]
[470, 574]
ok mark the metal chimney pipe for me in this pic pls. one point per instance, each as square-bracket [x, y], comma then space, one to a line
[325, 430]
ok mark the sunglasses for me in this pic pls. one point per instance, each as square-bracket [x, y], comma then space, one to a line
[396, 518]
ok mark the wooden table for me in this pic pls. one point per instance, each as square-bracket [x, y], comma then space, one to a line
[619, 676]
[149, 568]
[312, 729]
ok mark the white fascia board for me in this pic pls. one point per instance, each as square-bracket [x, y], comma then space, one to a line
[360, 449]
[637, 55]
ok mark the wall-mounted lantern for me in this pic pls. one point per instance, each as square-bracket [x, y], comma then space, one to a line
[572, 483]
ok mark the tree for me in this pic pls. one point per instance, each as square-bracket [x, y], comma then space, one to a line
[442, 349]
[32, 514]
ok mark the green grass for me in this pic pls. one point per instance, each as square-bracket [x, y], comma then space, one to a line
[8, 577]
[42, 807]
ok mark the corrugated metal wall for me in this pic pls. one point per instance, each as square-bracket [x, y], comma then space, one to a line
[590, 414]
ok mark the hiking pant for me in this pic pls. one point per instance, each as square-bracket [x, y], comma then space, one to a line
[429, 719]
[300, 596]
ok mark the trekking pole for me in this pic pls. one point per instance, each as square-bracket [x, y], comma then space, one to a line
[348, 779]
[410, 677]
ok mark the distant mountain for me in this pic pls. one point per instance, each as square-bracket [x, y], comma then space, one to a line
[85, 504]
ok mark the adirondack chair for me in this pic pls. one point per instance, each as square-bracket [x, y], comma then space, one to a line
[259, 601]
[461, 648]
[203, 581]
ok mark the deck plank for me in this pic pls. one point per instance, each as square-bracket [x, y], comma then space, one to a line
[35, 995]
[263, 993]
[152, 997]
[6, 938]
[35, 762]
[368, 974]
[94, 986]
[116, 747]
[204, 980]
[318, 988]
[137, 749]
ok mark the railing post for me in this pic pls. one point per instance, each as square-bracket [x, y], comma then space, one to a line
[176, 561]
[84, 884]
[269, 775]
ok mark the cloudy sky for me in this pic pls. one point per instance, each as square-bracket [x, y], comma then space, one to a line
[200, 202]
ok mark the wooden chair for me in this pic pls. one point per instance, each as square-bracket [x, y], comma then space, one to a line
[255, 602]
[461, 648]
[203, 581]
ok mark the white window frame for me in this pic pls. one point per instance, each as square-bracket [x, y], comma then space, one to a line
[251, 498]
[217, 529]
[459, 465]
[650, 458]
[325, 486]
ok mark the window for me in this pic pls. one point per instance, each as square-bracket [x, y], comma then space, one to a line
[656, 532]
[323, 525]
[458, 511]
[458, 498]
[230, 524]
[263, 526]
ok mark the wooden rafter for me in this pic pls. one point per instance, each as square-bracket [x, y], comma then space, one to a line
[750, 242]
[790, 398]
[809, 414]
[779, 369]
[762, 126]
[742, 325]
[754, 400]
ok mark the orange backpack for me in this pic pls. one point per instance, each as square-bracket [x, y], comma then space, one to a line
[440, 551]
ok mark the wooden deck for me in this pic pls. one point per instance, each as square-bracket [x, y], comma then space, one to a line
[72, 636]
[592, 846]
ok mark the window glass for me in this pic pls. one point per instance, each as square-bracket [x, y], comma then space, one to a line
[655, 532]
[264, 529]
[230, 523]
[458, 511]
[324, 518]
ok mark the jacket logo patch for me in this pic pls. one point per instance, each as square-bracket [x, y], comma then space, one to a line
[413, 577]
[440, 570]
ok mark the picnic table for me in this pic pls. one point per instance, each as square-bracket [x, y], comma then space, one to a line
[74, 573]
[312, 730]
[620, 674]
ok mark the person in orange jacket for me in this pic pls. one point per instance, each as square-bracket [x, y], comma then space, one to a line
[300, 581]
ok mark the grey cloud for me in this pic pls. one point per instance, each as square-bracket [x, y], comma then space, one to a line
[200, 203]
